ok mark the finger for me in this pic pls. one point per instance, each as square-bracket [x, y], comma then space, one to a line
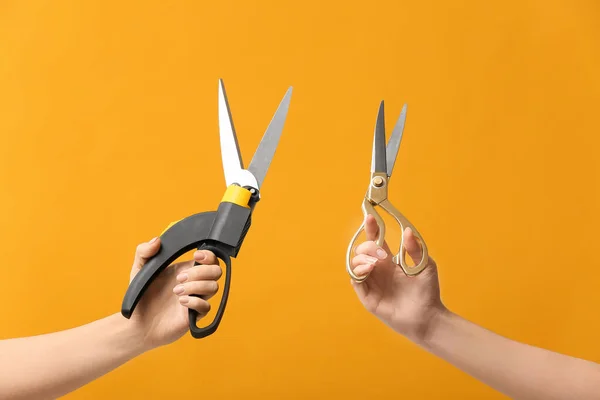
[206, 289]
[363, 269]
[144, 251]
[370, 248]
[205, 257]
[363, 259]
[412, 246]
[371, 227]
[201, 273]
[372, 231]
[195, 303]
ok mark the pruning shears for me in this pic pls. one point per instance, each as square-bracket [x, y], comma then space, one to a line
[222, 231]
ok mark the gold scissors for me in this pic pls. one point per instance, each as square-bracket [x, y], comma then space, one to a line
[382, 164]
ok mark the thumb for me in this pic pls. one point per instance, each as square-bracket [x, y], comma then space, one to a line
[413, 248]
[142, 253]
[371, 228]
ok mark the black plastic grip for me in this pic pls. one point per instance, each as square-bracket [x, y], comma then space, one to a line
[221, 232]
[195, 331]
[182, 237]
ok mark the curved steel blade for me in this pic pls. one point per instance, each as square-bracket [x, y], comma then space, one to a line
[266, 149]
[378, 159]
[394, 143]
[230, 149]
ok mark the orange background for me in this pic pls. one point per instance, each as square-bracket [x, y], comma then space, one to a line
[108, 121]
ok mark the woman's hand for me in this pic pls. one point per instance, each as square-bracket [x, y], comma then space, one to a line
[162, 314]
[405, 303]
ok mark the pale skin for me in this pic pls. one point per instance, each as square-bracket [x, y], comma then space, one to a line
[412, 307]
[52, 365]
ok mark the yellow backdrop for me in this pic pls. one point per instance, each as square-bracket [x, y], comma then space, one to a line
[108, 121]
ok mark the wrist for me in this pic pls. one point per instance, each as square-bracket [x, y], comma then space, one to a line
[129, 338]
[421, 328]
[440, 322]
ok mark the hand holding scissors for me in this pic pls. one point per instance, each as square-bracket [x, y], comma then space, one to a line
[223, 231]
[382, 164]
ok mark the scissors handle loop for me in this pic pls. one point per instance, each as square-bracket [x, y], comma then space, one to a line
[367, 209]
[400, 257]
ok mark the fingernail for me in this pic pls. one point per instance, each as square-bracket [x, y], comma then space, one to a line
[182, 277]
[200, 256]
[184, 299]
[371, 260]
[153, 240]
[178, 289]
[381, 253]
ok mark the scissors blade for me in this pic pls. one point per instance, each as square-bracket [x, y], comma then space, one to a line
[266, 149]
[378, 163]
[230, 149]
[394, 143]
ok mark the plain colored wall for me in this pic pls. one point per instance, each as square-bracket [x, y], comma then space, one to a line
[108, 129]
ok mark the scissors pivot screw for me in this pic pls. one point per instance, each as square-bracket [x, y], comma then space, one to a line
[378, 181]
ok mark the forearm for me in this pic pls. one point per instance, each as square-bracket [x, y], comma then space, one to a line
[515, 369]
[52, 365]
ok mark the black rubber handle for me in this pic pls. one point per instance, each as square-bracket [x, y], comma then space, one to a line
[197, 332]
[221, 232]
[182, 237]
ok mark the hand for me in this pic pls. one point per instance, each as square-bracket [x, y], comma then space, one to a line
[162, 314]
[406, 304]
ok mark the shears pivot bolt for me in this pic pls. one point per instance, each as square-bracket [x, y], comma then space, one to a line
[378, 181]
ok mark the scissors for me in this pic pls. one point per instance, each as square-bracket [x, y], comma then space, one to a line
[382, 164]
[221, 231]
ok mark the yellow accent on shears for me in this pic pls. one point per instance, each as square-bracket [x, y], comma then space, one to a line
[234, 194]
[237, 195]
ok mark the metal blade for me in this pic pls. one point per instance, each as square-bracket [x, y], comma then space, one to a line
[266, 149]
[394, 143]
[378, 158]
[230, 149]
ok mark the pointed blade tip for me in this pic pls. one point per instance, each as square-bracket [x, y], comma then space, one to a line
[221, 88]
[288, 93]
[381, 111]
